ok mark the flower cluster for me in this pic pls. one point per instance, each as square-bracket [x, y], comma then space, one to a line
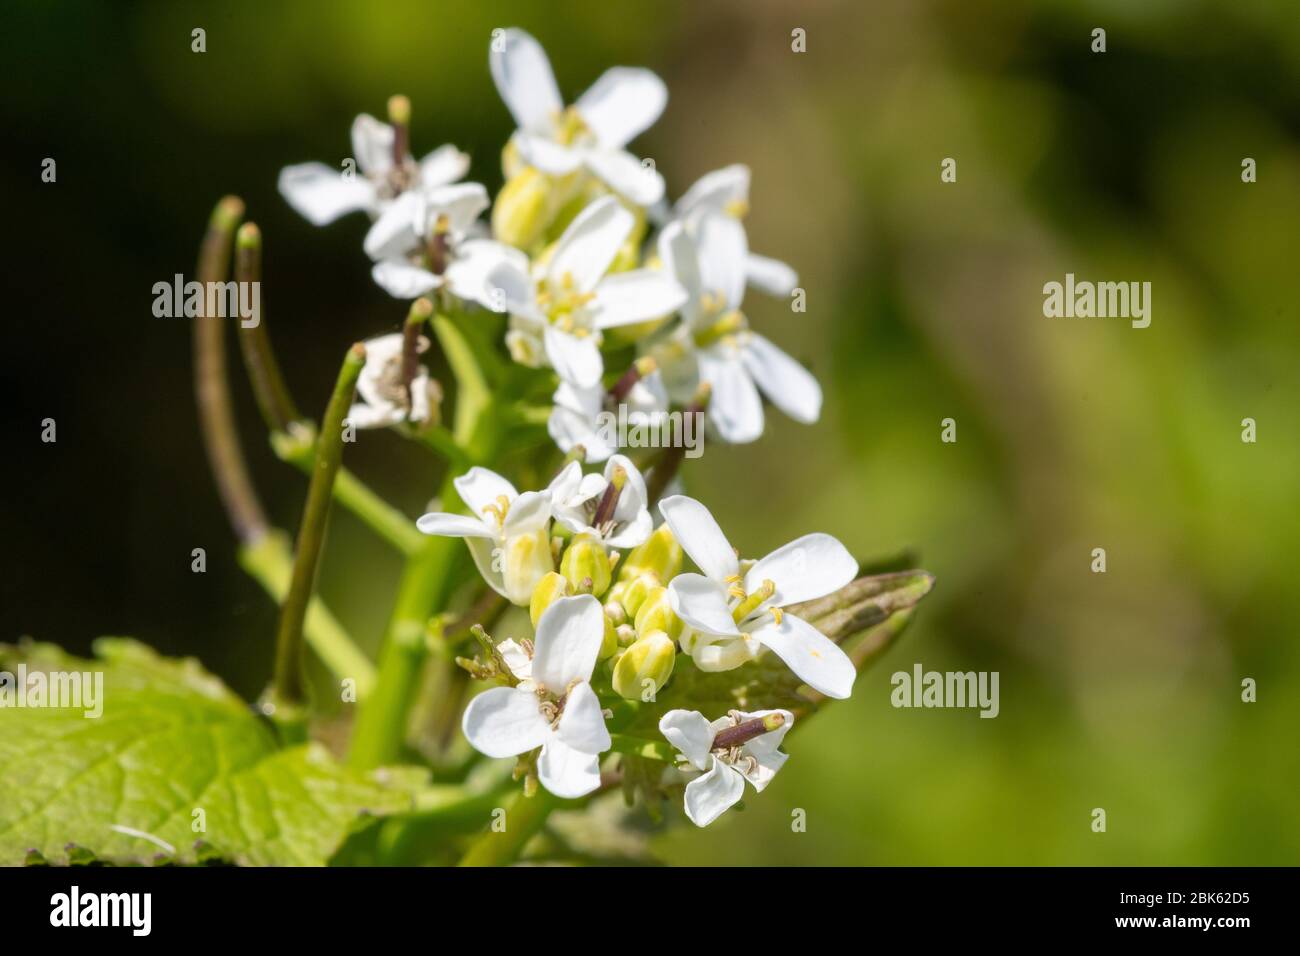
[618, 299]
[567, 253]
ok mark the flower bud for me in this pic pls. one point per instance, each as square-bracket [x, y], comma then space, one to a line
[626, 634]
[609, 644]
[660, 553]
[633, 593]
[549, 589]
[523, 208]
[656, 614]
[644, 668]
[585, 561]
[525, 560]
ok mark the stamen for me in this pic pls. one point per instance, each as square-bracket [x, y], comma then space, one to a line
[749, 604]
[609, 500]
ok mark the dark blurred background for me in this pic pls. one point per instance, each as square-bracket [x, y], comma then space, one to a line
[1119, 691]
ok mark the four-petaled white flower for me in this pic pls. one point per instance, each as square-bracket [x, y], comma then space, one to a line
[321, 194]
[726, 191]
[425, 241]
[591, 134]
[715, 343]
[386, 400]
[507, 532]
[579, 502]
[558, 311]
[727, 752]
[732, 612]
[553, 706]
[592, 416]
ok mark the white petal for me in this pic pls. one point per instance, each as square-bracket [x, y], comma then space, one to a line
[765, 748]
[510, 289]
[814, 657]
[372, 144]
[770, 275]
[786, 383]
[467, 273]
[453, 526]
[574, 421]
[622, 104]
[504, 721]
[566, 772]
[632, 533]
[723, 252]
[637, 181]
[702, 604]
[806, 568]
[700, 537]
[444, 165]
[403, 280]
[528, 513]
[552, 158]
[582, 725]
[479, 488]
[716, 191]
[680, 256]
[516, 658]
[461, 203]
[374, 416]
[628, 297]
[485, 552]
[569, 635]
[321, 194]
[590, 243]
[525, 80]
[735, 409]
[396, 230]
[714, 654]
[713, 794]
[689, 732]
[576, 359]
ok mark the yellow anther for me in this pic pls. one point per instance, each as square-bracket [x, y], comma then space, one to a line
[500, 507]
[566, 281]
[737, 207]
[777, 614]
[734, 578]
[736, 591]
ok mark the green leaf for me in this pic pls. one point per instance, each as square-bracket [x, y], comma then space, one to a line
[172, 739]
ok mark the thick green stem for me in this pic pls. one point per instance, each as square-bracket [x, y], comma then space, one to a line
[288, 685]
[524, 817]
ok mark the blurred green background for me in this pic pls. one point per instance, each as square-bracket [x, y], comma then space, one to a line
[1118, 690]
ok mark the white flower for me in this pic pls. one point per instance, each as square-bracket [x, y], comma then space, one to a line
[731, 613]
[424, 241]
[727, 752]
[577, 499]
[726, 191]
[592, 416]
[321, 193]
[554, 707]
[558, 311]
[592, 133]
[386, 401]
[715, 342]
[507, 532]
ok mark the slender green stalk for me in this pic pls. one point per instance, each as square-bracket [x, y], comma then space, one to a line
[212, 389]
[288, 685]
[270, 563]
[273, 398]
[524, 817]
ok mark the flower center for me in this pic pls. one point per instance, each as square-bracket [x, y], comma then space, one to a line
[564, 306]
[499, 508]
[725, 327]
[571, 129]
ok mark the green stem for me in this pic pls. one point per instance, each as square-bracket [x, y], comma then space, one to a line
[379, 734]
[270, 563]
[288, 684]
[524, 817]
[269, 388]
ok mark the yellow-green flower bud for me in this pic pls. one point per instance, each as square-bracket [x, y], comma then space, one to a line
[656, 614]
[626, 635]
[586, 565]
[644, 668]
[636, 591]
[660, 553]
[525, 560]
[549, 589]
[523, 208]
[610, 642]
